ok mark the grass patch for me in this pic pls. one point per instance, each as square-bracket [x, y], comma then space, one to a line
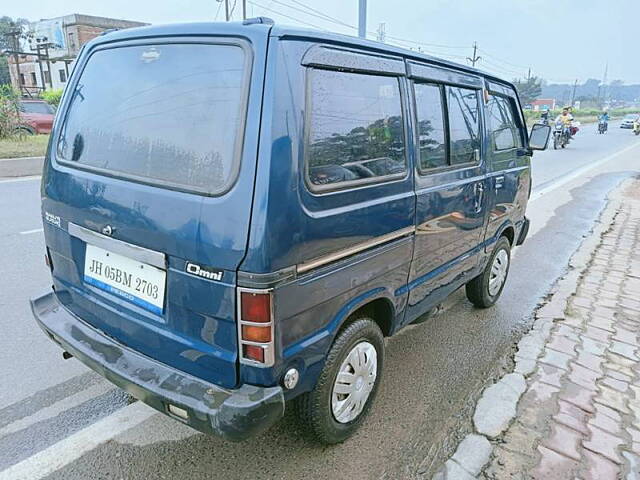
[24, 146]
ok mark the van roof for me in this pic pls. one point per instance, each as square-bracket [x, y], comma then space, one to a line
[286, 31]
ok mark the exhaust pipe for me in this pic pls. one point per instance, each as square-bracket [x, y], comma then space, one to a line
[66, 355]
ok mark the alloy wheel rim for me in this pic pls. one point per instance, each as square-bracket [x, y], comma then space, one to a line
[354, 382]
[498, 274]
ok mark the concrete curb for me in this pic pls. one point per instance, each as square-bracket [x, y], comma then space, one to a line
[498, 403]
[20, 167]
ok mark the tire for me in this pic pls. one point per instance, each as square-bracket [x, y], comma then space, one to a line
[22, 131]
[479, 290]
[555, 142]
[315, 409]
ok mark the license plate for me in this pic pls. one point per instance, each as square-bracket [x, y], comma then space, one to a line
[139, 283]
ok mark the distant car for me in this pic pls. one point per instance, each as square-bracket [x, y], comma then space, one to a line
[627, 121]
[36, 116]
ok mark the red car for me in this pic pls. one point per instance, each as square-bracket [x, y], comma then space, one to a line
[36, 116]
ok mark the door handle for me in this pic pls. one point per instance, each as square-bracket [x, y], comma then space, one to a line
[479, 194]
[499, 181]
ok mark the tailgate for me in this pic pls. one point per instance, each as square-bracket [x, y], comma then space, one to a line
[147, 194]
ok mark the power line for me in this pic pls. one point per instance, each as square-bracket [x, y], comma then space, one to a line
[327, 17]
[286, 16]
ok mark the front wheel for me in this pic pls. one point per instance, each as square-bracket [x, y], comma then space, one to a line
[484, 290]
[347, 385]
[555, 142]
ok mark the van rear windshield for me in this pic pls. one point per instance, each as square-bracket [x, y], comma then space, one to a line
[167, 114]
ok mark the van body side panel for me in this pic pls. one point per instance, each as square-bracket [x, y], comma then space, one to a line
[195, 331]
[291, 225]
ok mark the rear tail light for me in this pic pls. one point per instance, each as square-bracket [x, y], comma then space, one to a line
[255, 327]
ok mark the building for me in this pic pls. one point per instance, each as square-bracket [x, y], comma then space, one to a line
[50, 48]
[543, 104]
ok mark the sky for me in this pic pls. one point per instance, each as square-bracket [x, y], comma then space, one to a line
[559, 40]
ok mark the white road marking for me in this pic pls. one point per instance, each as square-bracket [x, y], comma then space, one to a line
[73, 447]
[22, 179]
[578, 173]
[57, 408]
[35, 230]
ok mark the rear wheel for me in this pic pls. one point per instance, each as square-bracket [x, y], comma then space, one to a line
[555, 142]
[484, 290]
[347, 385]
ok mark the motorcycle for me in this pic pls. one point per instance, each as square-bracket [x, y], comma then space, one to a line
[602, 126]
[561, 135]
[636, 127]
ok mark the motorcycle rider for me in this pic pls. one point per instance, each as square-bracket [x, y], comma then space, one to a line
[566, 119]
[604, 119]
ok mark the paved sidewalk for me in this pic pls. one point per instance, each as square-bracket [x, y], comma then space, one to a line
[579, 416]
[570, 409]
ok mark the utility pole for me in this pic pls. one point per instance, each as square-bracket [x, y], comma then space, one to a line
[573, 93]
[475, 57]
[529, 74]
[362, 18]
[226, 10]
[244, 9]
[604, 83]
[15, 45]
[381, 32]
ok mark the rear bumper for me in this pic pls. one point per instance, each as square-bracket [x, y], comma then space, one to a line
[232, 414]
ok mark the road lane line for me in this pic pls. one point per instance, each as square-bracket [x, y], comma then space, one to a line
[35, 230]
[22, 179]
[74, 446]
[578, 173]
[66, 403]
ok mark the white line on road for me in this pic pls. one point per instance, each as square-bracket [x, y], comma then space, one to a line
[577, 173]
[73, 447]
[20, 158]
[22, 179]
[35, 230]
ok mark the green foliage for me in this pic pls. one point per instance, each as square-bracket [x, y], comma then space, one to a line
[528, 89]
[52, 97]
[9, 113]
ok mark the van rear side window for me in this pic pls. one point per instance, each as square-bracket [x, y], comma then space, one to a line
[356, 132]
[166, 114]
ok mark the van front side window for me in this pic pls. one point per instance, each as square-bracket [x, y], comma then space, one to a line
[356, 129]
[166, 114]
[503, 130]
[464, 124]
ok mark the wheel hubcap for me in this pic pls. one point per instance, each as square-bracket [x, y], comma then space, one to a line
[354, 382]
[499, 269]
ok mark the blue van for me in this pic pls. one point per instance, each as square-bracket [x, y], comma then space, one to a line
[237, 214]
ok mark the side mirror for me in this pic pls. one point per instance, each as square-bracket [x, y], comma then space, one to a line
[539, 136]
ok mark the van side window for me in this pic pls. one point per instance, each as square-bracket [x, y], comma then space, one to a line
[356, 131]
[503, 129]
[464, 124]
[430, 125]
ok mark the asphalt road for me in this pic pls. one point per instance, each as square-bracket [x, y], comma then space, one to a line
[59, 418]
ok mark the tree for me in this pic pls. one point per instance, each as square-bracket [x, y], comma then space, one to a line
[8, 39]
[528, 89]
